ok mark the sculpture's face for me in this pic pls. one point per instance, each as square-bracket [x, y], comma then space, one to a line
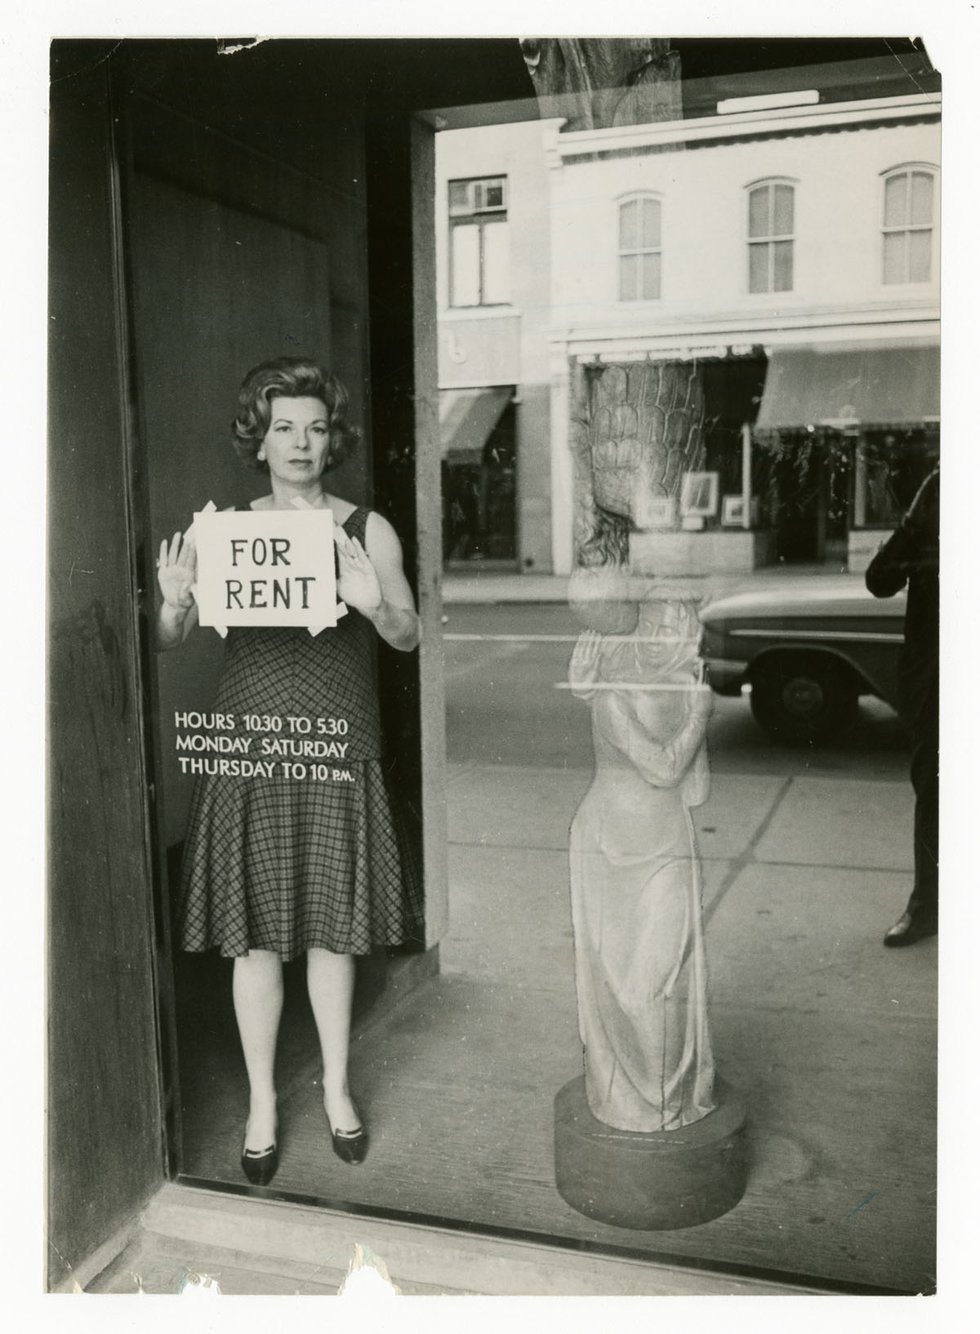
[667, 636]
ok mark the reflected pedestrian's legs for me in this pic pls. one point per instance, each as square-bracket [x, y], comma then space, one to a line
[924, 902]
[921, 916]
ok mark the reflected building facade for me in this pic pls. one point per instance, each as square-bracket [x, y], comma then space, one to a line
[778, 243]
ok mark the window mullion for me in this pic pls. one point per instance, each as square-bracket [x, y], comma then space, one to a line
[481, 264]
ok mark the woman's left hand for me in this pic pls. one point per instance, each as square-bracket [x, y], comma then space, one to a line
[358, 584]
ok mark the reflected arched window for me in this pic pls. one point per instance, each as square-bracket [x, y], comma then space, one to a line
[771, 236]
[639, 249]
[908, 225]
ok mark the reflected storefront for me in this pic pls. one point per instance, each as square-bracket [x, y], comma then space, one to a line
[477, 431]
[856, 430]
[648, 1016]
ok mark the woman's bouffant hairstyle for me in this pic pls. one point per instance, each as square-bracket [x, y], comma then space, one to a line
[290, 377]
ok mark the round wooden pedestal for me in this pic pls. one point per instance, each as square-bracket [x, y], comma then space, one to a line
[650, 1181]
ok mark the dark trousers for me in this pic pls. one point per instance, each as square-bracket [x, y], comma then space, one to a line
[924, 772]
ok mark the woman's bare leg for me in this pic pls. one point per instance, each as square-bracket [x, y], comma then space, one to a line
[257, 993]
[330, 978]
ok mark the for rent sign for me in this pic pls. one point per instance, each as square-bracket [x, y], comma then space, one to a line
[269, 567]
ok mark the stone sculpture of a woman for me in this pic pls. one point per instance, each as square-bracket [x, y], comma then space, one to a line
[635, 875]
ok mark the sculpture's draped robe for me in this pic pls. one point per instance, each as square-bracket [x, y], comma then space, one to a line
[636, 894]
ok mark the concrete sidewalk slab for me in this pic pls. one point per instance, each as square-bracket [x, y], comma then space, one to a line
[510, 919]
[483, 588]
[510, 916]
[830, 1037]
[523, 807]
[842, 822]
[830, 1129]
[513, 806]
[811, 938]
[842, 1125]
[737, 806]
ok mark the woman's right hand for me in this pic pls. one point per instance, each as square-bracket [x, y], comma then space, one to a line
[177, 571]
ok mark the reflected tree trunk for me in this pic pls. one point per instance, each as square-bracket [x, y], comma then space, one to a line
[635, 427]
[597, 82]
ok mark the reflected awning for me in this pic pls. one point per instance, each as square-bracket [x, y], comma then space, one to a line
[466, 418]
[864, 385]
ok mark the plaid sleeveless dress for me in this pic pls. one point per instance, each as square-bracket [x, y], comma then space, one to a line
[282, 862]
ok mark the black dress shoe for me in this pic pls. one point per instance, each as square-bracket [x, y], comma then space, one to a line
[260, 1166]
[349, 1145]
[908, 929]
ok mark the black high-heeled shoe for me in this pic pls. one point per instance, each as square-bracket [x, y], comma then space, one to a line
[260, 1166]
[350, 1146]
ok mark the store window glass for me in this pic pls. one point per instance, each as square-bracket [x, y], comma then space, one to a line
[677, 488]
[894, 465]
[671, 800]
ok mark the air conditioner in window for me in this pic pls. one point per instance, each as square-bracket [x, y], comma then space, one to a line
[483, 196]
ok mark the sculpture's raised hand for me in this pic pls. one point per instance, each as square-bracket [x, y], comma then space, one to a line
[584, 666]
[700, 700]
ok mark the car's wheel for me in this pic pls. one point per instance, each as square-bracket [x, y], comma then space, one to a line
[803, 697]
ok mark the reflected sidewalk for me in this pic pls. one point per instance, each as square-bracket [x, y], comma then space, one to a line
[492, 586]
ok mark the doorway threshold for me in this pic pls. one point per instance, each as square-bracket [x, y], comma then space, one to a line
[204, 1235]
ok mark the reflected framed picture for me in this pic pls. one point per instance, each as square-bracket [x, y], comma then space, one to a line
[733, 511]
[661, 512]
[699, 495]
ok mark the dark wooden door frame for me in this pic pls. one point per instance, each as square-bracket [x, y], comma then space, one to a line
[424, 542]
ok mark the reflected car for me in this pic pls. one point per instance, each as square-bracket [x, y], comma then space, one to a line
[808, 648]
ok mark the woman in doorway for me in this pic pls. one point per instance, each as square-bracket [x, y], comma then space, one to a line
[275, 867]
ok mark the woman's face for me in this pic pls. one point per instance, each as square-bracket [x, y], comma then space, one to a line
[296, 443]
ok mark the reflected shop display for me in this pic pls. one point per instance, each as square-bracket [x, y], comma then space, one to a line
[406, 745]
